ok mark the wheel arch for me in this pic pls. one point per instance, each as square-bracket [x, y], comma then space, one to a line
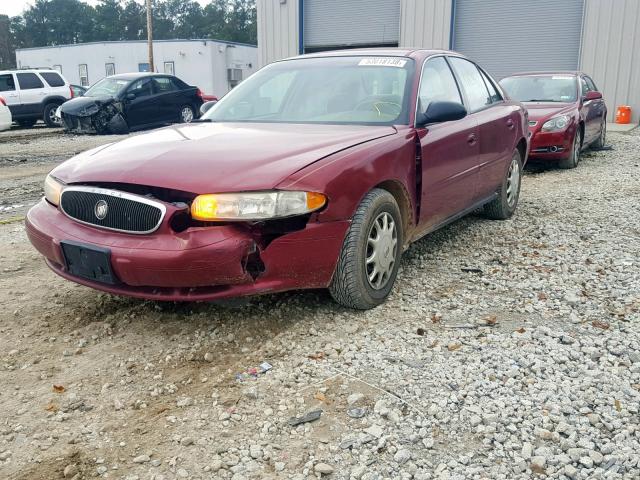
[399, 192]
[57, 99]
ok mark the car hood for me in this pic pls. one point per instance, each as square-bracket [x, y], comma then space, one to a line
[215, 157]
[84, 106]
[541, 111]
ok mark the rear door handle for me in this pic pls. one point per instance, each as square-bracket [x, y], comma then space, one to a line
[471, 139]
[510, 124]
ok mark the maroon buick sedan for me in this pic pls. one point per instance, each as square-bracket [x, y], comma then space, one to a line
[315, 172]
[566, 114]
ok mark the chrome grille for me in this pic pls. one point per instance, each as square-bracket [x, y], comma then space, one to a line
[112, 209]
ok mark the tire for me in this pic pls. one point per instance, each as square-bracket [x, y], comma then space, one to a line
[574, 158]
[49, 115]
[28, 123]
[355, 284]
[186, 114]
[503, 207]
[602, 138]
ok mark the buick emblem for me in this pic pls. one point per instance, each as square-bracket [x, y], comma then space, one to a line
[101, 209]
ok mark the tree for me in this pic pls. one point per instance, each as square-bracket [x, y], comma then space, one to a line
[7, 48]
[108, 20]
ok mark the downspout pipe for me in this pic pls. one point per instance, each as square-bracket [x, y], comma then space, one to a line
[300, 27]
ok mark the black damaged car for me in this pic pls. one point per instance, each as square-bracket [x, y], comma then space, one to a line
[131, 101]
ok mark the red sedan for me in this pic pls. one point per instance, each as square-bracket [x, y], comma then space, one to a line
[316, 172]
[566, 114]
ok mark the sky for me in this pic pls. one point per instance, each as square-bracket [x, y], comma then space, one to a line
[15, 7]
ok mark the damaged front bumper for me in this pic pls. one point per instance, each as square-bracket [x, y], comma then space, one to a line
[200, 263]
[99, 117]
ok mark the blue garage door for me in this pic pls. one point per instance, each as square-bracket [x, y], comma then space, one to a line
[507, 36]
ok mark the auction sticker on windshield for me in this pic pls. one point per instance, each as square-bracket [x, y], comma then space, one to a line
[383, 62]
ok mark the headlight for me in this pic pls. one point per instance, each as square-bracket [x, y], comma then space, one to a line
[52, 190]
[556, 123]
[255, 205]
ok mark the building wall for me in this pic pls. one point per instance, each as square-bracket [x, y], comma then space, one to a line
[610, 51]
[277, 30]
[202, 63]
[425, 23]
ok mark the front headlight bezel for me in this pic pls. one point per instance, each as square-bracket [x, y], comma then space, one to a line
[53, 188]
[557, 123]
[255, 206]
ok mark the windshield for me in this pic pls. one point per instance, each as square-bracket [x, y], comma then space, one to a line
[342, 90]
[541, 88]
[107, 87]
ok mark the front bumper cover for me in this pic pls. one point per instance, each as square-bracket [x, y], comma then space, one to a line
[204, 263]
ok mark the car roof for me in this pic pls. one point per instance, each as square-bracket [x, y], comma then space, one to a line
[137, 75]
[549, 72]
[377, 51]
[30, 70]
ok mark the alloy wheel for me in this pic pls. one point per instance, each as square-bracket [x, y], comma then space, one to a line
[513, 182]
[52, 116]
[186, 115]
[382, 245]
[603, 134]
[576, 149]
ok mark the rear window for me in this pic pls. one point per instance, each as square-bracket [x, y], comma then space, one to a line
[29, 81]
[6, 83]
[53, 79]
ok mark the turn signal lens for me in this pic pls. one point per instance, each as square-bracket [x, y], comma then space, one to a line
[255, 205]
[52, 190]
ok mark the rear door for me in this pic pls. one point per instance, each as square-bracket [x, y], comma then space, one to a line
[57, 85]
[32, 93]
[168, 99]
[10, 92]
[449, 149]
[496, 125]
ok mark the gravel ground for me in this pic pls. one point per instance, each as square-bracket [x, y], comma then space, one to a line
[508, 350]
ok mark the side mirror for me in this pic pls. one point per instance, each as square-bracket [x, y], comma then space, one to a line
[438, 112]
[592, 96]
[131, 96]
[206, 106]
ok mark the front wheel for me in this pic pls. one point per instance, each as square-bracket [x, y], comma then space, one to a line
[186, 114]
[602, 138]
[370, 255]
[504, 205]
[574, 158]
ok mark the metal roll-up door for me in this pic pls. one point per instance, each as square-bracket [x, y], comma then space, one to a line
[338, 23]
[507, 36]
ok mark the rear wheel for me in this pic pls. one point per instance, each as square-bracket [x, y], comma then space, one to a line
[370, 255]
[574, 158]
[49, 115]
[186, 114]
[503, 206]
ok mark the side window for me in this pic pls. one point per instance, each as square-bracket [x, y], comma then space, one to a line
[7, 84]
[141, 88]
[472, 83]
[590, 84]
[164, 84]
[494, 96]
[437, 84]
[29, 81]
[584, 87]
[53, 79]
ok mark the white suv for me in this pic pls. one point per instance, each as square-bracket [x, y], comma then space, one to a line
[34, 94]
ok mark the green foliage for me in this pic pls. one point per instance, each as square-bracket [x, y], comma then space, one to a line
[60, 22]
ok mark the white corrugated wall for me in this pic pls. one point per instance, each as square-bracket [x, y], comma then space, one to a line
[277, 30]
[611, 51]
[425, 23]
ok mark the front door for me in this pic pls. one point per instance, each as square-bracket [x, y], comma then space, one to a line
[449, 150]
[140, 108]
[9, 92]
[594, 111]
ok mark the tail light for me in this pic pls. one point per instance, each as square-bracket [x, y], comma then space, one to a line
[2, 102]
[199, 93]
[71, 91]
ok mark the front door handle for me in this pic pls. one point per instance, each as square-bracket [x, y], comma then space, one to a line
[471, 139]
